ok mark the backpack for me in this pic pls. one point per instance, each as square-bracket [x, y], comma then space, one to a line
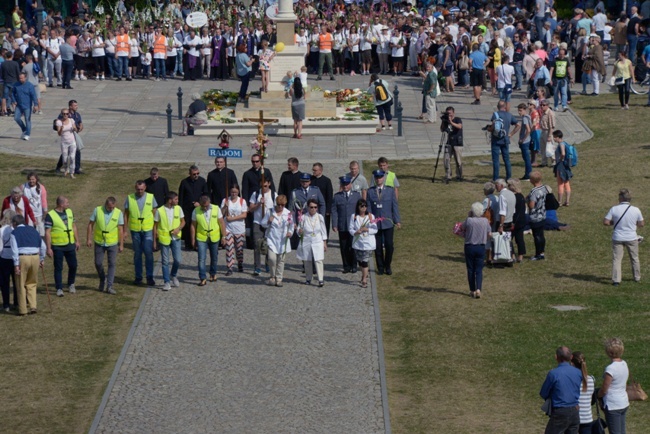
[54, 127]
[571, 155]
[36, 68]
[498, 130]
[381, 94]
[488, 214]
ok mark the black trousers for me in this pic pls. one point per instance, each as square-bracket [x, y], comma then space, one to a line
[385, 248]
[7, 272]
[538, 236]
[347, 254]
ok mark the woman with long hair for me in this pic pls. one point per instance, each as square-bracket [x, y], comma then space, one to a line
[36, 194]
[363, 229]
[234, 209]
[586, 391]
[494, 55]
[623, 73]
[297, 107]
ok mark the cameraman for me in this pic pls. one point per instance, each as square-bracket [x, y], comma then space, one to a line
[453, 126]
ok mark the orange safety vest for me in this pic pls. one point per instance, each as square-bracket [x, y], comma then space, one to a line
[325, 42]
[122, 43]
[160, 46]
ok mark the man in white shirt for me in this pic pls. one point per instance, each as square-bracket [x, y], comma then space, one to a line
[505, 71]
[626, 219]
[599, 20]
[53, 54]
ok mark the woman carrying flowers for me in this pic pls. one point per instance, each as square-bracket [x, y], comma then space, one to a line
[279, 230]
[313, 241]
[363, 228]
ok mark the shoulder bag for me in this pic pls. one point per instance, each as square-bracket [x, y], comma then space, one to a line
[635, 392]
[550, 202]
[598, 426]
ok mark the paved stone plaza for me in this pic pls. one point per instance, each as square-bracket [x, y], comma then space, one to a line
[238, 356]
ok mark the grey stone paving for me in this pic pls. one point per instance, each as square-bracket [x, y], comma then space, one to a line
[241, 357]
[126, 122]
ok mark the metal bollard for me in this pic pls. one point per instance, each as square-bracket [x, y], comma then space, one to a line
[396, 102]
[169, 120]
[398, 111]
[179, 94]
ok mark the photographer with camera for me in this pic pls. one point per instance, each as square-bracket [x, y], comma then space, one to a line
[453, 126]
[500, 138]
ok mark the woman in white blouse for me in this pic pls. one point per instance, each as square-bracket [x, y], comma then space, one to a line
[234, 209]
[36, 194]
[363, 229]
[313, 242]
[279, 230]
[613, 392]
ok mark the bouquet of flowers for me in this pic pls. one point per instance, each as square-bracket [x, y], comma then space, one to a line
[257, 146]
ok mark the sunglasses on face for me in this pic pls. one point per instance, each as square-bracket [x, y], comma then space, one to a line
[313, 207]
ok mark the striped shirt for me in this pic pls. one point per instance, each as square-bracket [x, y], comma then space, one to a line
[585, 401]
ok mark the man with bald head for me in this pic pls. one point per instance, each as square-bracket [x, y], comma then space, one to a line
[562, 387]
[62, 241]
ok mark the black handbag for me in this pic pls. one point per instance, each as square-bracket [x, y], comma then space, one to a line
[551, 203]
[598, 426]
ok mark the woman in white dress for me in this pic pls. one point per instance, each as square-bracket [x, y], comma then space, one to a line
[363, 229]
[279, 230]
[313, 242]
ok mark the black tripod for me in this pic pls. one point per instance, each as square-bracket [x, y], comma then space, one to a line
[443, 142]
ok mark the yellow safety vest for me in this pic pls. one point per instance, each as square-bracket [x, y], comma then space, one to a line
[164, 231]
[390, 179]
[106, 234]
[142, 223]
[60, 234]
[205, 229]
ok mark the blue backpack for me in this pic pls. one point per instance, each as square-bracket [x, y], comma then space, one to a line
[571, 154]
[498, 130]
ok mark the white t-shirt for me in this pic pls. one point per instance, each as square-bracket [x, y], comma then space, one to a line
[206, 42]
[504, 75]
[616, 396]
[269, 203]
[98, 50]
[625, 229]
[134, 47]
[236, 227]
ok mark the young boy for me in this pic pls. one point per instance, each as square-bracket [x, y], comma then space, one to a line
[288, 82]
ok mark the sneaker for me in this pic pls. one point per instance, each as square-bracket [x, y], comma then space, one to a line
[76, 78]
[110, 290]
[556, 109]
[39, 112]
[101, 286]
[390, 127]
[96, 78]
[59, 293]
[102, 78]
[307, 282]
[268, 269]
[128, 79]
[175, 282]
[537, 258]
[321, 284]
[167, 286]
[229, 272]
[83, 77]
[22, 136]
[565, 109]
[257, 272]
[271, 281]
[26, 137]
[72, 289]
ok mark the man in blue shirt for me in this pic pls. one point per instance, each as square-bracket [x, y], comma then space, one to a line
[500, 139]
[562, 386]
[25, 97]
[478, 62]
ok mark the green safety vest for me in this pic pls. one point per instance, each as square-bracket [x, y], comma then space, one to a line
[164, 231]
[561, 66]
[204, 228]
[60, 234]
[142, 223]
[390, 179]
[106, 234]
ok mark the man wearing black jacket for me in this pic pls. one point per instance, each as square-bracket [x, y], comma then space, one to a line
[157, 186]
[189, 192]
[290, 179]
[325, 186]
[220, 180]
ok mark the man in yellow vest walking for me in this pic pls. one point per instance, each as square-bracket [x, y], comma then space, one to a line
[62, 241]
[106, 229]
[138, 216]
[207, 227]
[169, 222]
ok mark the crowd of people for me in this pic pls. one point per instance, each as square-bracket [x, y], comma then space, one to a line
[201, 216]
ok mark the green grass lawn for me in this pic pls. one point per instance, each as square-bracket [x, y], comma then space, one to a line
[459, 365]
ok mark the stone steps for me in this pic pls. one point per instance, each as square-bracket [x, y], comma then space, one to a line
[284, 127]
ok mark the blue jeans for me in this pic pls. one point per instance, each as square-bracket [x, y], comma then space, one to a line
[143, 243]
[122, 66]
[243, 90]
[179, 63]
[525, 155]
[616, 420]
[214, 254]
[71, 259]
[631, 47]
[463, 77]
[519, 74]
[586, 79]
[539, 27]
[67, 66]
[161, 72]
[26, 127]
[110, 59]
[8, 93]
[561, 89]
[175, 248]
[500, 148]
[474, 260]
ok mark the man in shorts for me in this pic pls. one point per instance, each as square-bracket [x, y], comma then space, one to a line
[478, 63]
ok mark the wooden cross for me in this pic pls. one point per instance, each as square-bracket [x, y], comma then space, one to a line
[261, 122]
